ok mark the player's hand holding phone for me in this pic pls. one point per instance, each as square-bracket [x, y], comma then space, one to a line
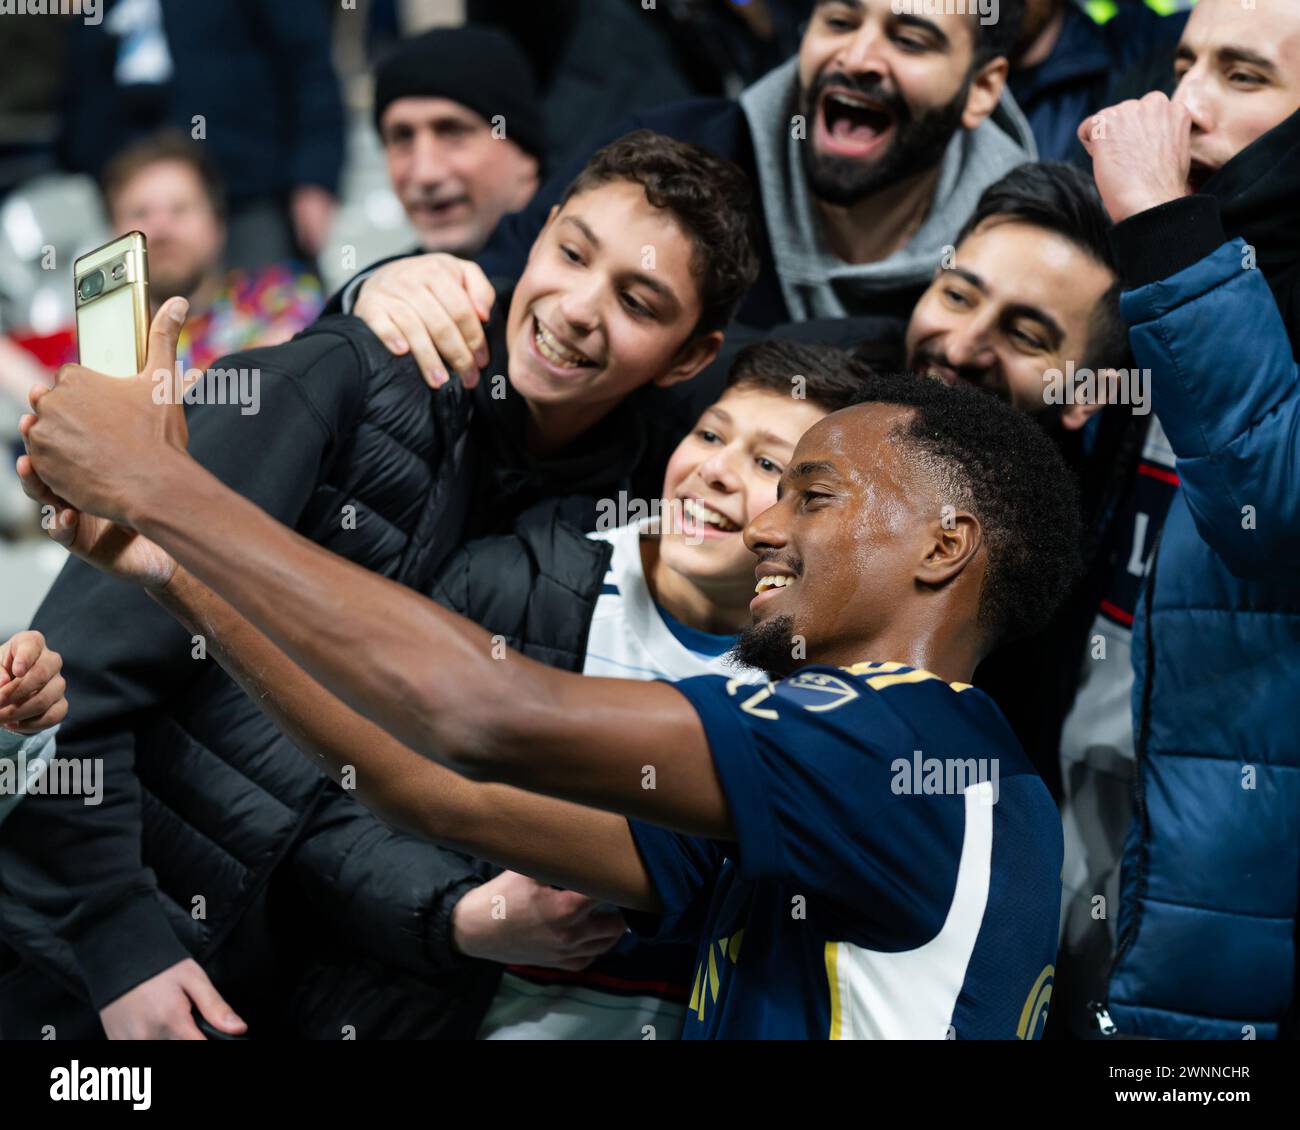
[109, 546]
[91, 430]
[101, 444]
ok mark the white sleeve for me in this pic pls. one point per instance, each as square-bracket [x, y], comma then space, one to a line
[353, 289]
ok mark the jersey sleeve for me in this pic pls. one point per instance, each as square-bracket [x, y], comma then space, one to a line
[810, 767]
[683, 870]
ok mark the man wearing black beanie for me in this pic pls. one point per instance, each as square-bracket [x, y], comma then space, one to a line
[459, 115]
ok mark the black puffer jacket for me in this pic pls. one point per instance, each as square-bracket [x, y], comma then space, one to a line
[207, 808]
[536, 586]
[203, 799]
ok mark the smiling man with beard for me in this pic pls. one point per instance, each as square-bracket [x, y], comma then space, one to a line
[765, 824]
[873, 147]
[1030, 289]
[870, 150]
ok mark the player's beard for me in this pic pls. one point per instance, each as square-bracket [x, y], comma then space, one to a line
[767, 646]
[919, 144]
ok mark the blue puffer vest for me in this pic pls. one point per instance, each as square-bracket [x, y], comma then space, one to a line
[1210, 879]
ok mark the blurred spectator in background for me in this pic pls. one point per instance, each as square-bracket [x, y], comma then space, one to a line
[252, 80]
[457, 111]
[166, 187]
[1070, 62]
[600, 60]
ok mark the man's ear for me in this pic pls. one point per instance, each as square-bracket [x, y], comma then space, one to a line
[527, 179]
[1080, 412]
[955, 539]
[700, 351]
[985, 90]
[1076, 415]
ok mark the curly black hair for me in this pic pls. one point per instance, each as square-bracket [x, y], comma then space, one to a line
[711, 198]
[1000, 466]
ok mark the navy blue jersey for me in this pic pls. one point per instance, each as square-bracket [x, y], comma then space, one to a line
[895, 871]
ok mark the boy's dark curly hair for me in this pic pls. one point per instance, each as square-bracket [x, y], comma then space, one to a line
[710, 198]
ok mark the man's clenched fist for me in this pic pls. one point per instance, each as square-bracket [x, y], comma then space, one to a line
[1141, 154]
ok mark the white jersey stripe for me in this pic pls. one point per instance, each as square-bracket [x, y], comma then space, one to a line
[912, 995]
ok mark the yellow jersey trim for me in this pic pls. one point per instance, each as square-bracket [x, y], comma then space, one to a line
[832, 975]
[883, 675]
[1036, 1004]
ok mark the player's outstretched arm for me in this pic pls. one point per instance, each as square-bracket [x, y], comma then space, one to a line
[554, 841]
[431, 679]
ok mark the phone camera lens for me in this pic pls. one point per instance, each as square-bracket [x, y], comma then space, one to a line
[91, 285]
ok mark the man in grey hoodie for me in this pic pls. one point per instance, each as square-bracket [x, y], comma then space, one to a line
[870, 149]
[874, 145]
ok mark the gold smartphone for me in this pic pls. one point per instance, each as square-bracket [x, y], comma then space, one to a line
[112, 293]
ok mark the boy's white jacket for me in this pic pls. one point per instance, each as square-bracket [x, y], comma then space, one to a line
[26, 756]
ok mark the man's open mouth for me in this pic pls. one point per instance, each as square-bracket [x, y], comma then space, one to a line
[854, 121]
[776, 581]
[559, 354]
[939, 372]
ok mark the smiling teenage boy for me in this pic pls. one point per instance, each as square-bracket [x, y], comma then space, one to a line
[626, 292]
